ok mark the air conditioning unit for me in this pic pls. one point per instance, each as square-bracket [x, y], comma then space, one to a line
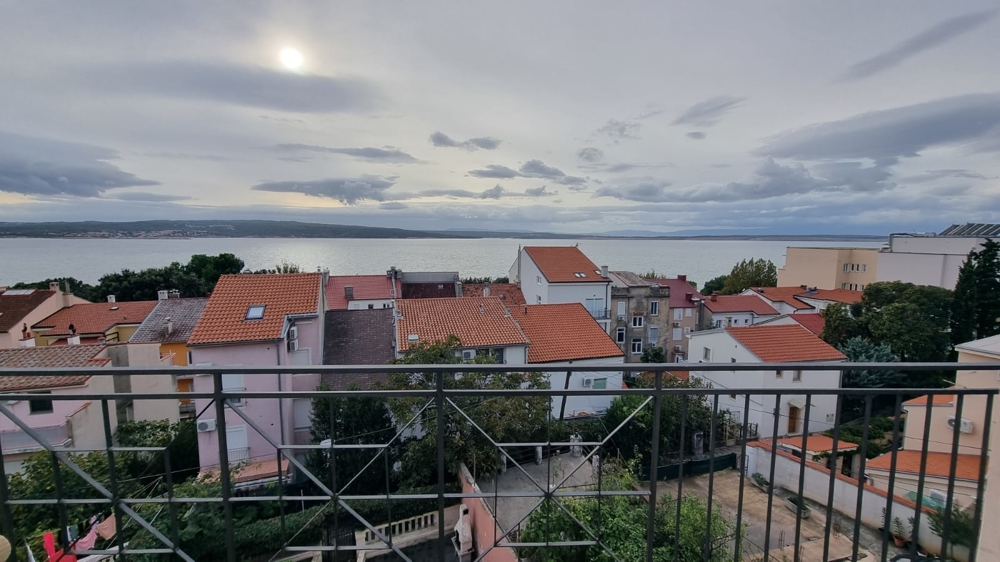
[293, 333]
[204, 426]
[293, 345]
[468, 354]
[678, 348]
[966, 426]
[677, 324]
[588, 382]
[621, 316]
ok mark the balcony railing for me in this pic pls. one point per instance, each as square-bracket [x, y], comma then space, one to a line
[600, 313]
[780, 502]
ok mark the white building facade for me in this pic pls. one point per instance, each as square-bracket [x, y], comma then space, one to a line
[563, 274]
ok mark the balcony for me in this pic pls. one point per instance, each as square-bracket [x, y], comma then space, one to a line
[17, 441]
[787, 493]
[600, 313]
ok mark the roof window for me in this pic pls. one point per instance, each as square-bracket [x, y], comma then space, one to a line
[18, 292]
[578, 274]
[255, 312]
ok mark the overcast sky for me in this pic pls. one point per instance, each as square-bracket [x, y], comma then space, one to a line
[799, 117]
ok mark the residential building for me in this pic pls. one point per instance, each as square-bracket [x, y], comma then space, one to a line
[936, 476]
[357, 337]
[803, 299]
[737, 310]
[102, 322]
[429, 284]
[829, 268]
[567, 333]
[360, 292]
[482, 324]
[819, 448]
[509, 293]
[641, 316]
[560, 274]
[686, 306]
[258, 320]
[75, 423]
[812, 322]
[22, 308]
[931, 259]
[771, 344]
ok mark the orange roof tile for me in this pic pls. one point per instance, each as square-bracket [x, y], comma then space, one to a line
[224, 319]
[509, 293]
[739, 303]
[776, 344]
[792, 295]
[818, 443]
[67, 356]
[476, 321]
[95, 318]
[938, 400]
[938, 464]
[783, 294]
[563, 264]
[15, 306]
[366, 287]
[845, 296]
[563, 332]
[812, 322]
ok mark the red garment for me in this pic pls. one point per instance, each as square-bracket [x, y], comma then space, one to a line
[49, 541]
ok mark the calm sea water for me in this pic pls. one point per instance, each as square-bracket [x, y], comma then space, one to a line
[29, 259]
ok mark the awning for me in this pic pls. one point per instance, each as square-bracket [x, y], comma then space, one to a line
[797, 403]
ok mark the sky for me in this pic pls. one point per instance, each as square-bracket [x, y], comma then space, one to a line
[563, 116]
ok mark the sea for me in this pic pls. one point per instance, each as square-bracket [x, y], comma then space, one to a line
[87, 259]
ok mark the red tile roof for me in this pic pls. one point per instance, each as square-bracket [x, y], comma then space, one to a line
[563, 332]
[812, 322]
[224, 319]
[561, 264]
[13, 308]
[938, 400]
[65, 356]
[509, 293]
[792, 295]
[95, 318]
[679, 288]
[739, 303]
[845, 296]
[477, 321]
[366, 287]
[938, 464]
[776, 344]
[817, 443]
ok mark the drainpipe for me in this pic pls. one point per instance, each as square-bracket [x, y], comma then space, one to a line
[281, 401]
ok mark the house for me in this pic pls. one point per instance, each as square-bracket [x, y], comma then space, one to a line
[803, 299]
[76, 423]
[641, 316]
[829, 268]
[819, 448]
[567, 333]
[360, 292]
[559, 274]
[21, 308]
[102, 322]
[429, 284]
[935, 475]
[812, 322]
[737, 310]
[258, 320]
[483, 324]
[770, 344]
[931, 259]
[357, 337]
[509, 293]
[686, 311]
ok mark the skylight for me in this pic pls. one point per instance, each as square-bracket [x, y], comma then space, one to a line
[18, 292]
[578, 274]
[255, 312]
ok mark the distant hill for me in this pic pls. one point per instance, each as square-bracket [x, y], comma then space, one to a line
[294, 229]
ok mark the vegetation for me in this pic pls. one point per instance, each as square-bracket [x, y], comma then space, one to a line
[759, 479]
[859, 350]
[283, 267]
[750, 273]
[714, 285]
[976, 306]
[481, 280]
[962, 530]
[654, 354]
[879, 434]
[622, 521]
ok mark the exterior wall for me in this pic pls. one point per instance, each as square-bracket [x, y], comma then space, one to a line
[577, 405]
[512, 355]
[640, 299]
[965, 491]
[925, 260]
[679, 336]
[484, 526]
[537, 290]
[180, 351]
[736, 319]
[371, 303]
[823, 268]
[146, 355]
[533, 284]
[817, 305]
[121, 333]
[989, 545]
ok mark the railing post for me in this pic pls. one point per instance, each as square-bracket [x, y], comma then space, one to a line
[707, 547]
[949, 501]
[680, 479]
[653, 463]
[833, 474]
[6, 520]
[981, 487]
[866, 421]
[113, 479]
[220, 425]
[897, 414]
[440, 458]
[921, 479]
[799, 504]
[770, 477]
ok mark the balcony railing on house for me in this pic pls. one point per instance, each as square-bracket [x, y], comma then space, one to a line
[600, 313]
[781, 498]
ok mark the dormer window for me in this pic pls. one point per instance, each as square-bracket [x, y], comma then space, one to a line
[579, 274]
[255, 312]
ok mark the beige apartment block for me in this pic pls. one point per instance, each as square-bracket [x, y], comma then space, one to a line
[829, 268]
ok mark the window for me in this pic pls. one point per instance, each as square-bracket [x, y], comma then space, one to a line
[676, 335]
[718, 323]
[706, 354]
[677, 314]
[495, 352]
[797, 376]
[621, 308]
[845, 266]
[864, 267]
[41, 406]
[371, 306]
[686, 331]
[636, 346]
[732, 360]
[595, 307]
[654, 335]
[732, 397]
[538, 279]
[779, 375]
[843, 285]
[599, 384]
[255, 312]
[654, 308]
[579, 274]
[539, 299]
[234, 383]
[687, 313]
[620, 335]
[637, 321]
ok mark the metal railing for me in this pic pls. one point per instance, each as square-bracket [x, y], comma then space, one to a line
[600, 313]
[851, 507]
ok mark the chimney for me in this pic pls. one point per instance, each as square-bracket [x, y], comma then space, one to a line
[525, 310]
[682, 277]
[72, 329]
[73, 340]
[689, 297]
[162, 295]
[170, 326]
[349, 291]
[486, 289]
[326, 276]
[111, 298]
[714, 296]
[53, 285]
[604, 271]
[803, 287]
[174, 294]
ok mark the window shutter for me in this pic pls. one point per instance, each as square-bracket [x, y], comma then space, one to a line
[654, 335]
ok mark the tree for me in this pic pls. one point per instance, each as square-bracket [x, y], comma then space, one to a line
[180, 439]
[210, 268]
[750, 273]
[283, 267]
[962, 530]
[651, 274]
[715, 284]
[860, 350]
[976, 304]
[654, 354]
[908, 331]
[79, 288]
[838, 324]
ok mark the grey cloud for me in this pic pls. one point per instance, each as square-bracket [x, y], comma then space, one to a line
[538, 169]
[348, 191]
[696, 135]
[251, 86]
[190, 156]
[923, 41]
[393, 206]
[495, 192]
[494, 171]
[652, 191]
[365, 153]
[539, 192]
[650, 112]
[934, 175]
[486, 143]
[150, 197]
[590, 154]
[617, 130]
[618, 168]
[891, 133]
[709, 112]
[44, 167]
[578, 188]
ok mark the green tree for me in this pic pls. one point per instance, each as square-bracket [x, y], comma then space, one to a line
[654, 354]
[860, 350]
[210, 268]
[962, 530]
[715, 284]
[838, 324]
[976, 304]
[180, 440]
[907, 330]
[79, 288]
[750, 273]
